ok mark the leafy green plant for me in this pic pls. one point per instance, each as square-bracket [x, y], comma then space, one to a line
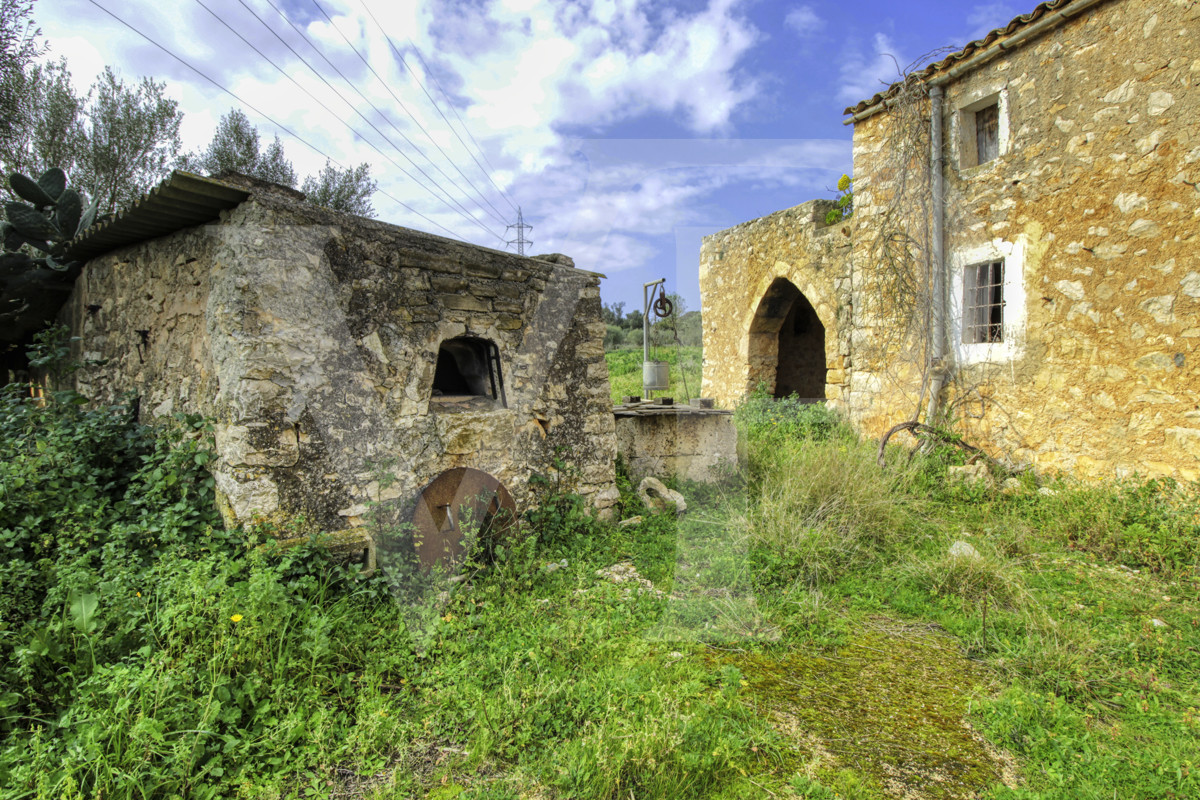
[768, 422]
[35, 286]
[51, 216]
[844, 207]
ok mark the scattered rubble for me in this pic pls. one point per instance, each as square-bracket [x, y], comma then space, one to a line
[624, 572]
[659, 499]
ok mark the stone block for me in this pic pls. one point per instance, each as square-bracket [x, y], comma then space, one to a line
[1185, 441]
[509, 323]
[971, 475]
[508, 306]
[448, 283]
[660, 499]
[464, 302]
[483, 270]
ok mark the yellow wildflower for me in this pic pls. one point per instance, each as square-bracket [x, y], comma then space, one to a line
[236, 618]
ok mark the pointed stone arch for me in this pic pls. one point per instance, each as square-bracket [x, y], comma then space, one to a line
[787, 344]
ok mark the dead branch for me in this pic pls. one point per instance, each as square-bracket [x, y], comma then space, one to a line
[919, 430]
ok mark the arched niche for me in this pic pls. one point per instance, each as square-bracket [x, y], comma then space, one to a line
[467, 368]
[787, 344]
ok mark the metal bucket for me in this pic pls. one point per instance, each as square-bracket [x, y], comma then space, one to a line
[656, 376]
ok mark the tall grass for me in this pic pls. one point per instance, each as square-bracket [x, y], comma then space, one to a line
[824, 507]
[820, 502]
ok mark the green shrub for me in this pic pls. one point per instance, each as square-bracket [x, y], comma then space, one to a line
[75, 479]
[767, 422]
[145, 651]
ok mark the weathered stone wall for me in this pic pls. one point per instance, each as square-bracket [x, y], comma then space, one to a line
[1093, 206]
[695, 447]
[744, 308]
[312, 337]
[891, 285]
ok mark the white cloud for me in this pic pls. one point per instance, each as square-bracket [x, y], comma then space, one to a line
[804, 21]
[548, 66]
[528, 76]
[864, 74]
[986, 17]
[612, 191]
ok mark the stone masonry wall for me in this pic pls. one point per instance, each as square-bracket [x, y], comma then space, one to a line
[1093, 205]
[311, 338]
[738, 267]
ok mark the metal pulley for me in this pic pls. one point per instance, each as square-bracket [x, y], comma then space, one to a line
[655, 374]
[663, 307]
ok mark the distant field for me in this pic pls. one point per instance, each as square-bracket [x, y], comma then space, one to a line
[625, 371]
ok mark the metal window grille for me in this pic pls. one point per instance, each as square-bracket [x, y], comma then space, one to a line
[983, 303]
[987, 133]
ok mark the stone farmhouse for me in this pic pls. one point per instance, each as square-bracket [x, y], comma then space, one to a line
[345, 361]
[1022, 261]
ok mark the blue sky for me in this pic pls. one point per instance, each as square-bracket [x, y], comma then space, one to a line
[625, 130]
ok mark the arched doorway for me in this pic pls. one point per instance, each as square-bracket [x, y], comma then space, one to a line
[787, 344]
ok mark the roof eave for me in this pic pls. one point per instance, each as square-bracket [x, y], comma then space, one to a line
[1050, 15]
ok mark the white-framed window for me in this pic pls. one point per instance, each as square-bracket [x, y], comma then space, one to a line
[987, 301]
[983, 303]
[982, 127]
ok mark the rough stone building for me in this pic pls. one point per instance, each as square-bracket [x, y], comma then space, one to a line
[344, 361]
[1046, 293]
[776, 297]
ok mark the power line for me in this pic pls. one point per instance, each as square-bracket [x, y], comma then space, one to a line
[403, 108]
[433, 102]
[454, 111]
[304, 141]
[321, 103]
[411, 115]
[366, 100]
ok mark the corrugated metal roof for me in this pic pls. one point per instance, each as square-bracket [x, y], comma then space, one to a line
[969, 50]
[181, 201]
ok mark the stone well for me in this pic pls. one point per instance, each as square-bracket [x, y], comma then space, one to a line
[684, 441]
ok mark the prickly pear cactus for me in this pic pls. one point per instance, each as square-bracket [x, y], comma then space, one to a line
[35, 274]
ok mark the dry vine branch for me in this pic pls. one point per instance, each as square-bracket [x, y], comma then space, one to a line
[918, 430]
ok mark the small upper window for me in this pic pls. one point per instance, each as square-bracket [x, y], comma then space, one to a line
[983, 303]
[467, 369]
[987, 133]
[983, 130]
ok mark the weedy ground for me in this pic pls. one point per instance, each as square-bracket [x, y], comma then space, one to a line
[802, 632]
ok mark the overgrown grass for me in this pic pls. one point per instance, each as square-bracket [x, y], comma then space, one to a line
[805, 632]
[625, 371]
